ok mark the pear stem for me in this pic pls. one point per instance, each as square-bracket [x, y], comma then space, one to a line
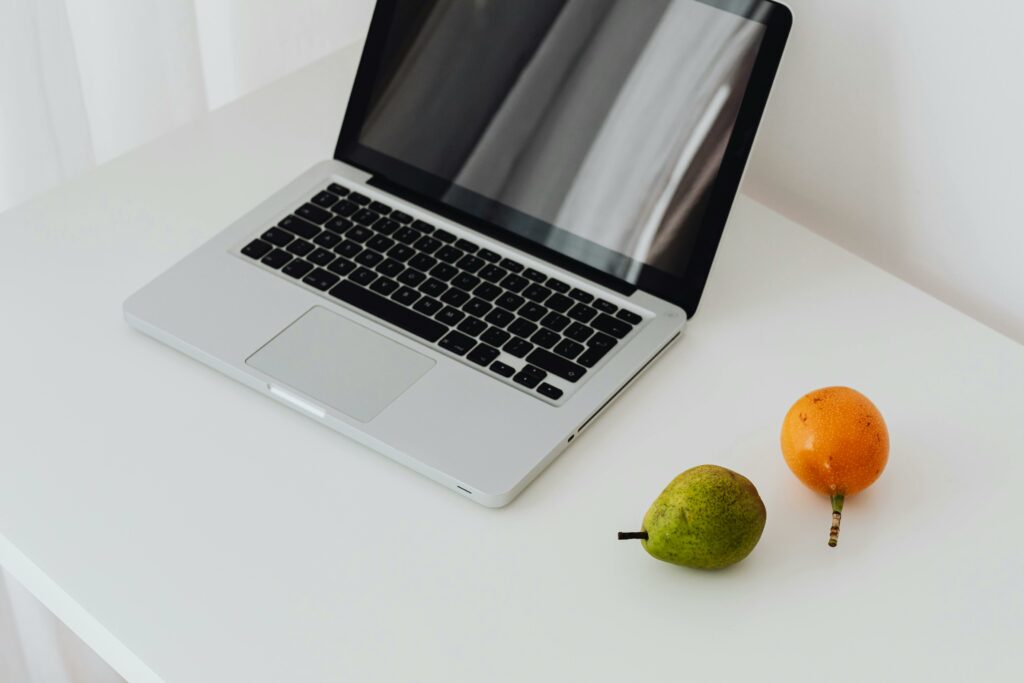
[837, 515]
[628, 535]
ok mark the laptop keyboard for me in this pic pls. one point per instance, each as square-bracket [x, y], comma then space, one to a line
[499, 315]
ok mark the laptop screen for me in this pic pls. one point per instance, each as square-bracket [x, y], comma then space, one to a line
[596, 128]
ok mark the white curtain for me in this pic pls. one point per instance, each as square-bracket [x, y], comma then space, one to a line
[36, 648]
[82, 81]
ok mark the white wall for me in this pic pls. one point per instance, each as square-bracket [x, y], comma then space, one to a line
[897, 130]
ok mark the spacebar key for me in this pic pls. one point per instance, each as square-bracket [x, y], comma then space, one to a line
[389, 311]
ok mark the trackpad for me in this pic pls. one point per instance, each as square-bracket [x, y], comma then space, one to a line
[340, 363]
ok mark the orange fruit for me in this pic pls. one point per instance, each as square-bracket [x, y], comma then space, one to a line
[836, 442]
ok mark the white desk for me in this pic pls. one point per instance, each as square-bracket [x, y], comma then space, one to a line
[191, 530]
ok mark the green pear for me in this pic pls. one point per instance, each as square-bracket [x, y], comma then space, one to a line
[708, 518]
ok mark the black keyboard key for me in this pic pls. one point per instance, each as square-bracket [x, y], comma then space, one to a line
[568, 348]
[487, 291]
[327, 240]
[545, 338]
[477, 307]
[324, 199]
[407, 296]
[423, 262]
[359, 233]
[390, 267]
[345, 208]
[532, 311]
[297, 268]
[313, 213]
[363, 276]
[428, 245]
[449, 254]
[605, 306]
[499, 368]
[474, 326]
[510, 301]
[591, 357]
[348, 249]
[483, 355]
[276, 258]
[380, 207]
[580, 295]
[556, 365]
[457, 343]
[338, 225]
[341, 266]
[277, 237]
[555, 321]
[442, 271]
[492, 273]
[559, 303]
[629, 317]
[428, 306]
[522, 327]
[514, 283]
[384, 285]
[489, 256]
[578, 332]
[423, 226]
[537, 293]
[529, 377]
[321, 257]
[389, 311]
[509, 264]
[444, 236]
[466, 246]
[433, 287]
[300, 247]
[495, 337]
[499, 317]
[365, 217]
[401, 216]
[406, 235]
[257, 249]
[369, 258]
[558, 286]
[614, 327]
[465, 281]
[357, 198]
[411, 277]
[321, 279]
[380, 243]
[402, 252]
[450, 316]
[549, 390]
[299, 227]
[337, 189]
[517, 347]
[386, 226]
[470, 263]
[534, 275]
[582, 313]
[455, 297]
[602, 341]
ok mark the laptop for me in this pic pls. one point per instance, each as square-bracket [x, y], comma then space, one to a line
[518, 218]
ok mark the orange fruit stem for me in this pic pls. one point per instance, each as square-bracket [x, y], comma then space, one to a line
[837, 515]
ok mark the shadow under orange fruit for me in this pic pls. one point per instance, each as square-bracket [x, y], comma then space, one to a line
[836, 442]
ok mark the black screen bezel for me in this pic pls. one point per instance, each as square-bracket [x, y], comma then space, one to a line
[426, 189]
